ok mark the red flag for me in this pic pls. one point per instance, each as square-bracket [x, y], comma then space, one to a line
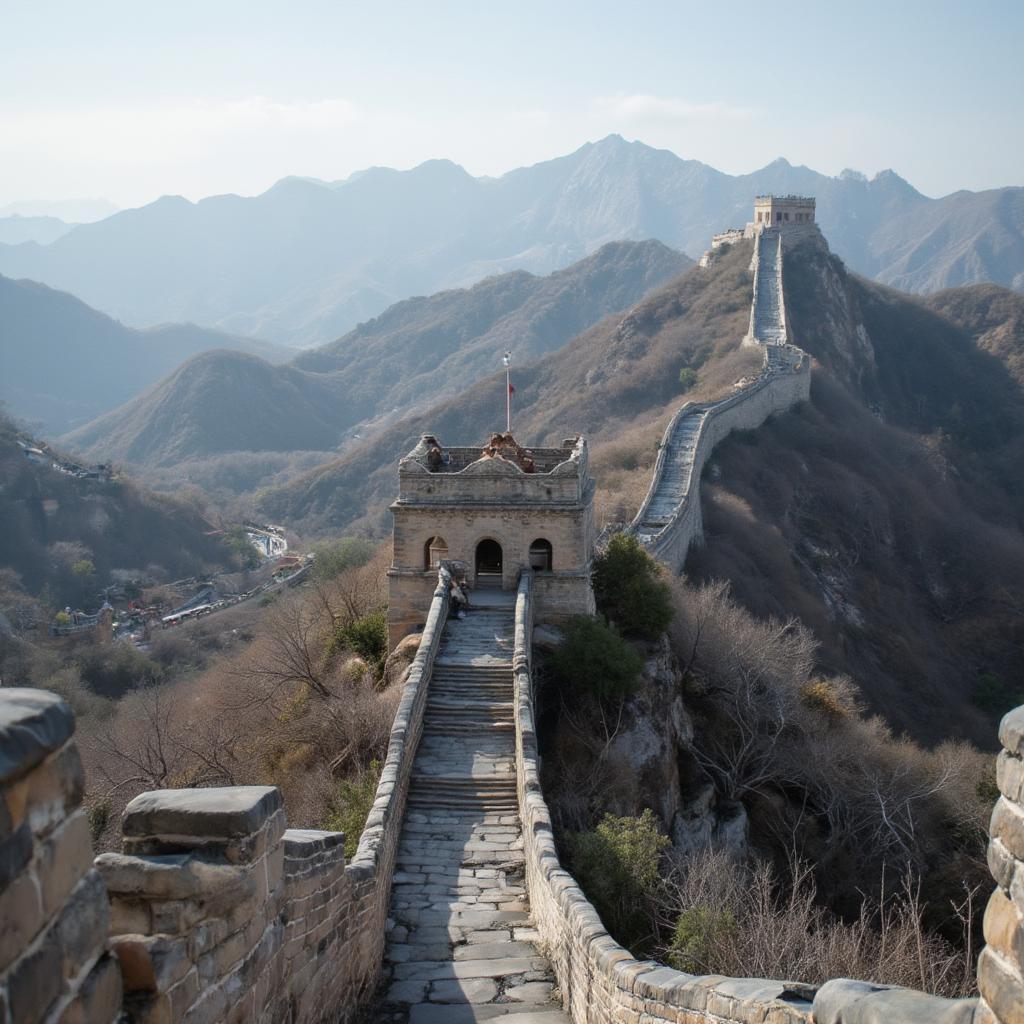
[511, 388]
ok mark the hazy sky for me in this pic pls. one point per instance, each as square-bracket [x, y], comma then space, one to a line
[134, 100]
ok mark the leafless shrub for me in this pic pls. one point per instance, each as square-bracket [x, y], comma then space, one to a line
[736, 919]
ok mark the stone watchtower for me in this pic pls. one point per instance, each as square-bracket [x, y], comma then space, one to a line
[490, 512]
[783, 211]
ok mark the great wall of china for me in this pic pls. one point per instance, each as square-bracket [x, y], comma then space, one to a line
[455, 899]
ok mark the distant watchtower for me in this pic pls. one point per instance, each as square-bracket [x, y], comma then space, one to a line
[492, 510]
[783, 211]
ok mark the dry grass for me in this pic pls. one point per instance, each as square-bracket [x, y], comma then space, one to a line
[737, 920]
[279, 712]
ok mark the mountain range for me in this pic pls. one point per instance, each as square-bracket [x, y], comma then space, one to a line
[64, 363]
[307, 260]
[415, 354]
[894, 495]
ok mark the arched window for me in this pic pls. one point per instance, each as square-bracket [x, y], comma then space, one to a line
[434, 551]
[540, 555]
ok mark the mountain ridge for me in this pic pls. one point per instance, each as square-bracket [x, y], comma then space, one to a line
[417, 352]
[306, 260]
[65, 362]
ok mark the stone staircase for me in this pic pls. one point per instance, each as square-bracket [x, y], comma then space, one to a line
[459, 945]
[768, 326]
[674, 481]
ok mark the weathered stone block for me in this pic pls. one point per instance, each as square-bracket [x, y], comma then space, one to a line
[21, 911]
[1011, 730]
[182, 815]
[98, 1001]
[35, 982]
[33, 724]
[64, 858]
[1001, 863]
[54, 789]
[1002, 925]
[15, 853]
[130, 916]
[174, 877]
[1001, 985]
[1009, 775]
[1008, 825]
[151, 963]
[82, 926]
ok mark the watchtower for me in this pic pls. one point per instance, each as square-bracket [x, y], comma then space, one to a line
[783, 211]
[490, 511]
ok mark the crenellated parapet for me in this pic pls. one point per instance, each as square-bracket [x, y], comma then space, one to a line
[1001, 966]
[54, 960]
[603, 983]
[214, 910]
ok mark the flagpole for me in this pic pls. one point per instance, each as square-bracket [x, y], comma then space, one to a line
[507, 359]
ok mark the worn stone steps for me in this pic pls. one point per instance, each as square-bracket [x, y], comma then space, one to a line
[460, 945]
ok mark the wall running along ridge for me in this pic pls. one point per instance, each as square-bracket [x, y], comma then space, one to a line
[600, 981]
[603, 983]
[670, 520]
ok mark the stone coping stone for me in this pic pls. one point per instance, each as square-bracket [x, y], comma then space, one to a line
[842, 1001]
[33, 724]
[304, 842]
[222, 813]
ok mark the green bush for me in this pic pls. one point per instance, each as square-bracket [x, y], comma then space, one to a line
[993, 694]
[697, 933]
[349, 814]
[629, 589]
[617, 866]
[595, 660]
[332, 558]
[367, 637]
[687, 378]
[83, 567]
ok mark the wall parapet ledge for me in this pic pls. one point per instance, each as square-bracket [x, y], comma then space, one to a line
[603, 983]
[220, 913]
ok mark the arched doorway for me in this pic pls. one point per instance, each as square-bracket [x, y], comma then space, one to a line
[540, 555]
[488, 562]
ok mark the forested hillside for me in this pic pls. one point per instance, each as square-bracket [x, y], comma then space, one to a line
[894, 487]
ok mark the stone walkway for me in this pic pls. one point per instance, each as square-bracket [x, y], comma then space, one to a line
[460, 947]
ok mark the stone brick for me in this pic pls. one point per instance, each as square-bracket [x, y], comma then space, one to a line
[98, 1001]
[34, 982]
[54, 789]
[182, 815]
[21, 911]
[174, 877]
[1001, 985]
[15, 853]
[1007, 825]
[1009, 775]
[83, 923]
[1011, 731]
[64, 858]
[130, 917]
[151, 963]
[1001, 863]
[33, 724]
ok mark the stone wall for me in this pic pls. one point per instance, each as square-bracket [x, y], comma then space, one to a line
[218, 913]
[771, 393]
[1001, 967]
[602, 983]
[54, 964]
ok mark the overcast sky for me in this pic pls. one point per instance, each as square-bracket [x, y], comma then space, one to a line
[133, 100]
